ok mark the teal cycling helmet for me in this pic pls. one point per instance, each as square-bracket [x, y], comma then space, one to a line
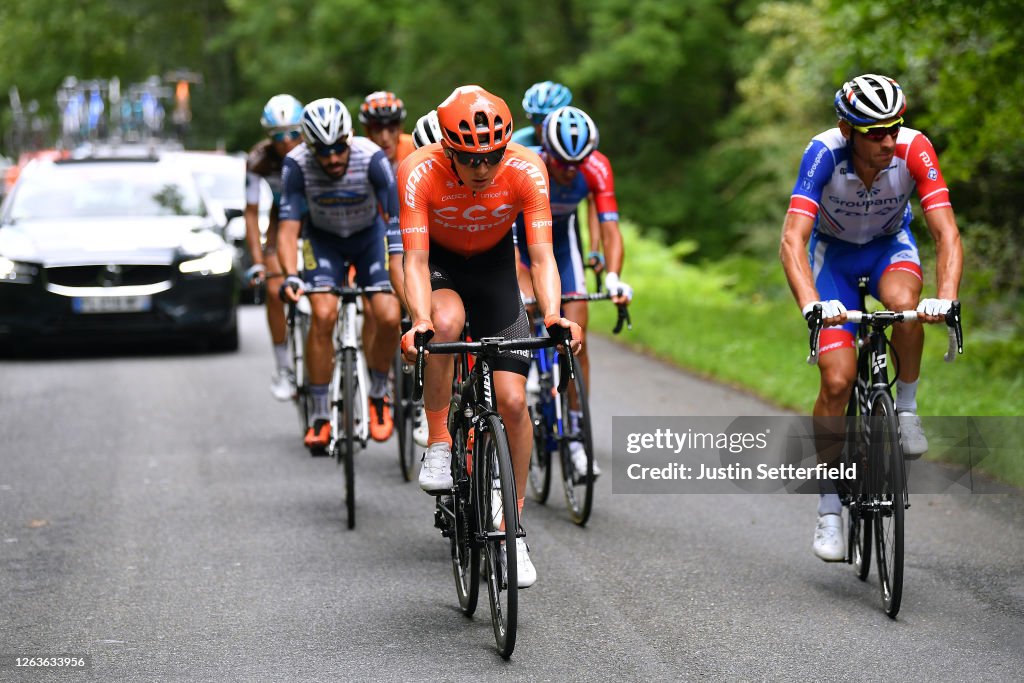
[281, 111]
[569, 134]
[543, 98]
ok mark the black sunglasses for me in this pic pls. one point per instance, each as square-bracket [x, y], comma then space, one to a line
[328, 150]
[474, 159]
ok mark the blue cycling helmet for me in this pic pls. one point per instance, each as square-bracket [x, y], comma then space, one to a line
[281, 111]
[569, 134]
[869, 99]
[543, 98]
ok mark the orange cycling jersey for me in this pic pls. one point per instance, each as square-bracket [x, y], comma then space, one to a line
[405, 147]
[436, 207]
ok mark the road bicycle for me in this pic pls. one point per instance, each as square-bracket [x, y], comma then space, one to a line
[875, 501]
[299, 316]
[480, 516]
[563, 420]
[347, 393]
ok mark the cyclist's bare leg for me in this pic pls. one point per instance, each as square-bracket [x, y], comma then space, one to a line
[526, 287]
[386, 314]
[448, 315]
[320, 345]
[901, 291]
[838, 369]
[369, 328]
[510, 388]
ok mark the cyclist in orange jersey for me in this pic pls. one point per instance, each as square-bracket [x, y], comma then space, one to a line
[382, 114]
[458, 200]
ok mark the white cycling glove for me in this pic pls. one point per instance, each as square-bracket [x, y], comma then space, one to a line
[829, 309]
[934, 306]
[617, 287]
[254, 270]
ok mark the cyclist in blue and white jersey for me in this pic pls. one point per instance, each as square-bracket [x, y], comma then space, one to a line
[577, 170]
[345, 188]
[281, 119]
[849, 217]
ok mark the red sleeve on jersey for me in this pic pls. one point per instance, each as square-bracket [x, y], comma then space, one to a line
[803, 206]
[923, 164]
[597, 171]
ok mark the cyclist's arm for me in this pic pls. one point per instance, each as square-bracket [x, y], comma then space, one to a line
[796, 233]
[604, 211]
[251, 217]
[413, 222]
[593, 224]
[949, 252]
[382, 178]
[417, 284]
[293, 205]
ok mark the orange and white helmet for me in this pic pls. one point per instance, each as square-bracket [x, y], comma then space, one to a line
[474, 120]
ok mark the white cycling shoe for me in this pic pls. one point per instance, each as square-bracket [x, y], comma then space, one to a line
[578, 455]
[912, 436]
[526, 573]
[420, 433]
[436, 472]
[828, 538]
[282, 384]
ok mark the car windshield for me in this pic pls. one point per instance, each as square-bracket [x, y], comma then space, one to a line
[105, 190]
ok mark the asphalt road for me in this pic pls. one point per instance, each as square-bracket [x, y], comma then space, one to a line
[159, 514]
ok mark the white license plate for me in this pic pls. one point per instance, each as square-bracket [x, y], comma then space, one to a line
[111, 304]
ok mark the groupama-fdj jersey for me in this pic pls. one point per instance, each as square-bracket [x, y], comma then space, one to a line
[594, 177]
[859, 231]
[469, 235]
[345, 221]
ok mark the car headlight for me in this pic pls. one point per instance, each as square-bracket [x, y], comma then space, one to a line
[16, 271]
[215, 263]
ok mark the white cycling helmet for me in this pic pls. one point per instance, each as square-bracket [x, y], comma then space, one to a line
[869, 99]
[325, 122]
[427, 130]
[569, 134]
[281, 111]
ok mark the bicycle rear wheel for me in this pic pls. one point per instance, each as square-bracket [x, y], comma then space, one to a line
[890, 491]
[491, 460]
[540, 458]
[465, 553]
[576, 435]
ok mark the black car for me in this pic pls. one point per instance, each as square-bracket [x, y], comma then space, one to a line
[110, 248]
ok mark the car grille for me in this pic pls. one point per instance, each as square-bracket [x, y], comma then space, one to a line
[108, 275]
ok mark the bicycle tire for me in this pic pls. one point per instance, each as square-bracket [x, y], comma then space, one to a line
[492, 460]
[540, 458]
[890, 491]
[296, 342]
[579, 491]
[405, 418]
[349, 381]
[859, 524]
[465, 554]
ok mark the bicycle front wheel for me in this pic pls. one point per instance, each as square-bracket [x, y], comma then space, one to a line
[296, 346]
[542, 410]
[350, 394]
[465, 553]
[576, 447]
[859, 524]
[495, 499]
[890, 492]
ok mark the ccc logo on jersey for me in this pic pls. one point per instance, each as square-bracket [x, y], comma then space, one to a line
[474, 213]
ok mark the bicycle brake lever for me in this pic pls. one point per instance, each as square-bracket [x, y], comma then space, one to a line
[956, 337]
[623, 318]
[814, 325]
[420, 340]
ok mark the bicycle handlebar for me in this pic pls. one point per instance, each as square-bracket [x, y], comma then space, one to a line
[490, 346]
[623, 309]
[886, 318]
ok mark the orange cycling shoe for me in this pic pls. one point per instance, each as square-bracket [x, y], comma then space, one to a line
[318, 436]
[381, 422]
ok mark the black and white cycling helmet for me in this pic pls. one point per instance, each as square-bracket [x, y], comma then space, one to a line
[569, 134]
[869, 99]
[325, 122]
[281, 112]
[427, 130]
